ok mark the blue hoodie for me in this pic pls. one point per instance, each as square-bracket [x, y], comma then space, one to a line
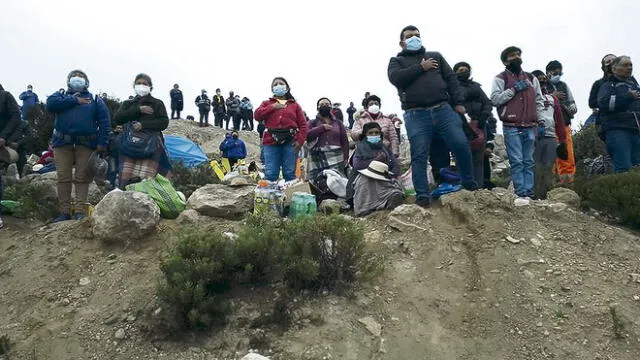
[29, 100]
[233, 148]
[87, 125]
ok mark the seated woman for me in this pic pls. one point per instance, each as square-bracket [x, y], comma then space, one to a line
[147, 115]
[373, 114]
[376, 189]
[328, 149]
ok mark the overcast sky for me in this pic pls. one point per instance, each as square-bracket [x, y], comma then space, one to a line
[338, 49]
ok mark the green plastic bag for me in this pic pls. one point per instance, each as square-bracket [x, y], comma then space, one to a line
[162, 192]
[10, 206]
[302, 204]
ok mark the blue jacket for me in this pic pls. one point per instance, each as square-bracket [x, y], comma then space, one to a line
[233, 148]
[29, 100]
[87, 125]
[618, 109]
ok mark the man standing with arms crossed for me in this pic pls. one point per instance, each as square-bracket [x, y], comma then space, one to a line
[426, 84]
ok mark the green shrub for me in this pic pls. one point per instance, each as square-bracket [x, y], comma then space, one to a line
[197, 271]
[616, 194]
[308, 253]
[587, 145]
[35, 200]
[39, 130]
[187, 180]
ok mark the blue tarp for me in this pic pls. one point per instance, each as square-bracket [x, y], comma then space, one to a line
[185, 150]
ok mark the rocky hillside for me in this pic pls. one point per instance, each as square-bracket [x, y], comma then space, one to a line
[474, 278]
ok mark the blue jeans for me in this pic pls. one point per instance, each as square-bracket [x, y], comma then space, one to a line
[520, 145]
[421, 126]
[624, 147]
[280, 156]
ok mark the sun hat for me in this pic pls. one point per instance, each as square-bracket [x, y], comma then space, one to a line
[377, 170]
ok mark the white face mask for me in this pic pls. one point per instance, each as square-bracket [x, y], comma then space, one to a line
[142, 90]
[374, 109]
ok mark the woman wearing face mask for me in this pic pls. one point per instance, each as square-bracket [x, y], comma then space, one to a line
[328, 146]
[372, 114]
[82, 126]
[285, 131]
[148, 115]
[365, 193]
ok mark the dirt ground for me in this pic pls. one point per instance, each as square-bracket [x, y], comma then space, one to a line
[564, 286]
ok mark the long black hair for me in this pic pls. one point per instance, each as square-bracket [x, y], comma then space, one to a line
[288, 95]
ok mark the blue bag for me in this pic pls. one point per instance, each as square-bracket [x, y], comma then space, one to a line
[138, 144]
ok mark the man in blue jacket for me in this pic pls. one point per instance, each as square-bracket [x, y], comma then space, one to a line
[81, 127]
[233, 148]
[426, 85]
[29, 100]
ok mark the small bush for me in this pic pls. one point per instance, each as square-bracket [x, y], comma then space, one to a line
[39, 130]
[587, 145]
[616, 194]
[198, 270]
[35, 200]
[187, 180]
[308, 253]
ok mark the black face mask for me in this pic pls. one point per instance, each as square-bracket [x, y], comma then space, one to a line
[515, 66]
[324, 111]
[464, 76]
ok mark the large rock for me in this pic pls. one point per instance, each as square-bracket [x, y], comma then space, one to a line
[221, 201]
[124, 216]
[50, 180]
[564, 195]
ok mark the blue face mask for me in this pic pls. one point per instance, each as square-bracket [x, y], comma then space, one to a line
[77, 83]
[555, 79]
[375, 139]
[279, 90]
[413, 43]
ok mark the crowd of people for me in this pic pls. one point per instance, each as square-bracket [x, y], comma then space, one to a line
[447, 116]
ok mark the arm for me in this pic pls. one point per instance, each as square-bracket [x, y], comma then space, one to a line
[58, 103]
[243, 150]
[539, 97]
[264, 110]
[500, 95]
[593, 94]
[224, 146]
[611, 100]
[37, 101]
[558, 117]
[302, 125]
[487, 108]
[453, 85]
[358, 162]
[315, 130]
[159, 120]
[394, 166]
[103, 118]
[128, 111]
[344, 143]
[356, 131]
[13, 122]
[393, 138]
[400, 76]
[23, 95]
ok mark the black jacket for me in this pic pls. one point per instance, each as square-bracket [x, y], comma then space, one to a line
[130, 111]
[418, 88]
[204, 103]
[9, 115]
[618, 109]
[476, 102]
[218, 104]
[593, 95]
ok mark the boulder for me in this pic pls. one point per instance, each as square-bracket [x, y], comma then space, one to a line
[221, 201]
[191, 217]
[50, 179]
[330, 206]
[254, 356]
[124, 216]
[409, 217]
[565, 196]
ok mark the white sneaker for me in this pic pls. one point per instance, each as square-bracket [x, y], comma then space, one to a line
[1, 223]
[522, 201]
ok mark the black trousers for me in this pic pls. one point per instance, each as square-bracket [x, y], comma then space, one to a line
[237, 120]
[204, 116]
[218, 119]
[173, 112]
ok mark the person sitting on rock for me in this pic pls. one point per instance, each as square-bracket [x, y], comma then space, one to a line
[233, 148]
[375, 188]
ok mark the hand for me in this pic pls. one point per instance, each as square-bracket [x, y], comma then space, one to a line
[382, 157]
[634, 93]
[562, 152]
[327, 127]
[428, 64]
[560, 95]
[460, 109]
[278, 106]
[119, 128]
[83, 101]
[101, 149]
[147, 110]
[137, 126]
[521, 86]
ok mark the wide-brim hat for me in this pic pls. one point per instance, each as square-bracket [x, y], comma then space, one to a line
[377, 170]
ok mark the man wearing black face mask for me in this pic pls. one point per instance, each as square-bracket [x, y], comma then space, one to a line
[518, 97]
[479, 109]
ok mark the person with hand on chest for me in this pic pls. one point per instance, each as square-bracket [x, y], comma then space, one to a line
[426, 86]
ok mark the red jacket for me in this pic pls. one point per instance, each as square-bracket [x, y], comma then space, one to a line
[291, 117]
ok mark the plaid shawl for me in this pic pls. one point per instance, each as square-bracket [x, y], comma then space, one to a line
[323, 158]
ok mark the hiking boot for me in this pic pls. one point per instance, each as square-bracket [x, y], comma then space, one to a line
[423, 202]
[62, 217]
[79, 216]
